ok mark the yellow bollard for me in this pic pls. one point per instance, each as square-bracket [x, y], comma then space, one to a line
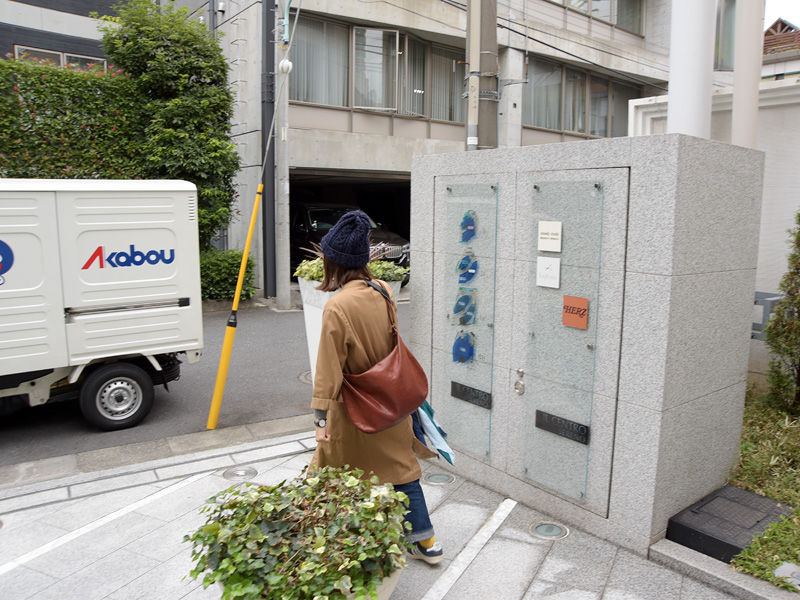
[230, 331]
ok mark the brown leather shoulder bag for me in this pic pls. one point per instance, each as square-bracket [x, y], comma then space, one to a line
[390, 390]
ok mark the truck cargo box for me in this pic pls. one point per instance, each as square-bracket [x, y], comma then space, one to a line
[93, 271]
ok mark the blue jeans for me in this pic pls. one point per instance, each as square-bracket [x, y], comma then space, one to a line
[421, 527]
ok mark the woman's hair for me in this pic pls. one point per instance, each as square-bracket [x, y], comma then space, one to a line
[336, 275]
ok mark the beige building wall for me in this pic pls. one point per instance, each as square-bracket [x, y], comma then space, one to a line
[321, 137]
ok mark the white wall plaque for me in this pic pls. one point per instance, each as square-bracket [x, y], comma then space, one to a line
[549, 236]
[548, 272]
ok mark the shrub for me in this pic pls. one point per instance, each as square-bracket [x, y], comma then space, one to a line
[160, 111]
[219, 274]
[182, 77]
[783, 333]
[65, 123]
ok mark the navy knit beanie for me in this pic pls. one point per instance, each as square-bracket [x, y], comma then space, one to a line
[347, 243]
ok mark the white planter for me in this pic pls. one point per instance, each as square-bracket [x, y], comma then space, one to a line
[386, 587]
[313, 303]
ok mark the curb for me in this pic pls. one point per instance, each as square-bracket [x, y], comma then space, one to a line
[715, 573]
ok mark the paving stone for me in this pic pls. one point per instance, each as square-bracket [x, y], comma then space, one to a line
[545, 590]
[167, 541]
[34, 499]
[168, 581]
[635, 578]
[577, 562]
[92, 508]
[102, 577]
[112, 483]
[187, 499]
[95, 545]
[197, 466]
[22, 583]
[268, 452]
[14, 544]
[503, 569]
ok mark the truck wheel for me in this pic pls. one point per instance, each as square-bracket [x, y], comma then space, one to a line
[117, 396]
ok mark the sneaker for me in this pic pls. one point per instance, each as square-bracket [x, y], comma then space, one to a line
[432, 555]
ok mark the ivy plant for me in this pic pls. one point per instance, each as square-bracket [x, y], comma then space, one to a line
[323, 535]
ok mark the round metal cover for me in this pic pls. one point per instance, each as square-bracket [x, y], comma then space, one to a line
[240, 473]
[439, 478]
[549, 531]
[305, 377]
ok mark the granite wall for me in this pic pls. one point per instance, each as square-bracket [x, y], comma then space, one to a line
[659, 238]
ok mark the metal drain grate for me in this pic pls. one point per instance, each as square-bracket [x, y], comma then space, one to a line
[549, 531]
[239, 473]
[439, 478]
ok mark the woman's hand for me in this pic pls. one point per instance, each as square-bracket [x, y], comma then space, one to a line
[321, 434]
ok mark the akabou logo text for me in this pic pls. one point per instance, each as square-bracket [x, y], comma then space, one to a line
[132, 258]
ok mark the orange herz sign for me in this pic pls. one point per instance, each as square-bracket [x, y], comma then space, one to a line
[576, 312]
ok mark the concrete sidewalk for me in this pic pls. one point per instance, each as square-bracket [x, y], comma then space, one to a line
[117, 534]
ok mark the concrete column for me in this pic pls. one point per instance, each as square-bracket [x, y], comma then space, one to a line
[509, 121]
[747, 55]
[691, 64]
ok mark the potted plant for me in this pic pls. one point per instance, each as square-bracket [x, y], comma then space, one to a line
[329, 535]
[309, 275]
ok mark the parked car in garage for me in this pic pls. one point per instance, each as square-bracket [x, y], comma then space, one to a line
[310, 221]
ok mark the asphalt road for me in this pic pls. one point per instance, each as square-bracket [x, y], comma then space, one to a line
[267, 379]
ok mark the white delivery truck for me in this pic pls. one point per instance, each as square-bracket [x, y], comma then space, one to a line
[99, 293]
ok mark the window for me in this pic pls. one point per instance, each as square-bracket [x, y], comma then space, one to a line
[447, 85]
[575, 101]
[320, 57]
[619, 105]
[569, 100]
[629, 15]
[389, 72]
[626, 14]
[543, 92]
[375, 71]
[415, 80]
[598, 107]
[59, 59]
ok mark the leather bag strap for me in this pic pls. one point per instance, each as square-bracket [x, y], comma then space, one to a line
[385, 294]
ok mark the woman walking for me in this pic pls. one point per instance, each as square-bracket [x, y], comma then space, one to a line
[356, 334]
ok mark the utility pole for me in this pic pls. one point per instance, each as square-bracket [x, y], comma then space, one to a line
[281, 145]
[482, 94]
[267, 149]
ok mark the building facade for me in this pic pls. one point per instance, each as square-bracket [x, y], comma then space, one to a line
[373, 84]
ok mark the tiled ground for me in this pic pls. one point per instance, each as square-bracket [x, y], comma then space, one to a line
[127, 544]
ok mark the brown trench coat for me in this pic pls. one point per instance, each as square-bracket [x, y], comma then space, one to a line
[356, 334]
